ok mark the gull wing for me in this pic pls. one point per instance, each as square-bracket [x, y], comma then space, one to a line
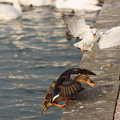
[110, 39]
[77, 25]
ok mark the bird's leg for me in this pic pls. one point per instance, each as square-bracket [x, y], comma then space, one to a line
[90, 48]
[57, 105]
[63, 105]
[91, 55]
[82, 49]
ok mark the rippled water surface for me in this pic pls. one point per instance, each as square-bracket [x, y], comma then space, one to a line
[34, 51]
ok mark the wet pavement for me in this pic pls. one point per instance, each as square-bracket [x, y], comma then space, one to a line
[103, 101]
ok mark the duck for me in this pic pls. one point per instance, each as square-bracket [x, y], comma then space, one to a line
[77, 4]
[65, 88]
[10, 12]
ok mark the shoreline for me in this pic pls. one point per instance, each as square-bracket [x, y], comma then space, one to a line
[100, 102]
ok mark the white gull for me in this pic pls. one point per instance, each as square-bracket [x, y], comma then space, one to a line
[78, 28]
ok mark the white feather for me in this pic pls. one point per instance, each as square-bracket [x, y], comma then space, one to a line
[9, 12]
[55, 97]
[110, 39]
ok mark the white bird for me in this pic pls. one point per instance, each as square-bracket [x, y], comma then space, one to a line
[31, 2]
[41, 2]
[110, 38]
[78, 27]
[77, 4]
[9, 12]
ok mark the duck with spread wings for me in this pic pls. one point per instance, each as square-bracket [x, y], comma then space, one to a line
[65, 87]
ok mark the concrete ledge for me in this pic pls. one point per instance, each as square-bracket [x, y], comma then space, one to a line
[99, 103]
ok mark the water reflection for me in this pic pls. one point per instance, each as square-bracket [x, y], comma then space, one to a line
[34, 51]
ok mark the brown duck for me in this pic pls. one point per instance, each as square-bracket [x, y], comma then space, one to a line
[65, 87]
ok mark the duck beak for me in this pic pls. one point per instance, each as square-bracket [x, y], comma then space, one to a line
[91, 83]
[94, 34]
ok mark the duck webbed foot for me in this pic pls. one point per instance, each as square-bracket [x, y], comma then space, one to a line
[57, 105]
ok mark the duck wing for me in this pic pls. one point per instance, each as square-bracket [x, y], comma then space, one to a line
[66, 75]
[71, 71]
[77, 25]
[69, 88]
[50, 91]
[110, 38]
[82, 71]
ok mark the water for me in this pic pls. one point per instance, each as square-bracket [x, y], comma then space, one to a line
[34, 51]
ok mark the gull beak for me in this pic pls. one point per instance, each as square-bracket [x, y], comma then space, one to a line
[94, 34]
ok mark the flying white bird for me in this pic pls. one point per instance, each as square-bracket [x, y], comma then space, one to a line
[78, 28]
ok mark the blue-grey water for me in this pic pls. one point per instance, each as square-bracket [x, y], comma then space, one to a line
[34, 51]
